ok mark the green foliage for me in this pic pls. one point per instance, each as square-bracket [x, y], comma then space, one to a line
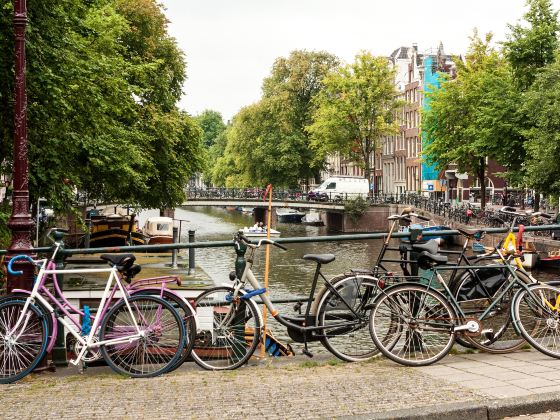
[530, 49]
[354, 109]
[212, 125]
[356, 208]
[542, 107]
[533, 46]
[103, 78]
[475, 115]
[5, 212]
[267, 141]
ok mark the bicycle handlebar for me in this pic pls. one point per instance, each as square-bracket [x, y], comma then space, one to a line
[16, 258]
[247, 242]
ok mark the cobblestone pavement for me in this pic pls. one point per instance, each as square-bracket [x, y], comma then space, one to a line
[284, 388]
[300, 388]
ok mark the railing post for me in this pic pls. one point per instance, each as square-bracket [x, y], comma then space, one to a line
[174, 252]
[59, 356]
[191, 253]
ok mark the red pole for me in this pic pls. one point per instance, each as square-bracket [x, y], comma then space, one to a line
[20, 222]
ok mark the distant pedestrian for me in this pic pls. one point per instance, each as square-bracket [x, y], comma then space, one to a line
[468, 214]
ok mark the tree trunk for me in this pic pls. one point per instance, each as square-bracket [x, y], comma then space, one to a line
[536, 201]
[368, 172]
[481, 180]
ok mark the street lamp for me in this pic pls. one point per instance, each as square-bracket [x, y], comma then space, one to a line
[20, 222]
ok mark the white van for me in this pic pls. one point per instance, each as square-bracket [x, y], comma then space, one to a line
[341, 187]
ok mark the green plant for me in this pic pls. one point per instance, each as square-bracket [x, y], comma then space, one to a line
[5, 211]
[356, 208]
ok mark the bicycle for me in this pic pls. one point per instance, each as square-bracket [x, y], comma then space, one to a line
[231, 321]
[420, 323]
[139, 336]
[155, 286]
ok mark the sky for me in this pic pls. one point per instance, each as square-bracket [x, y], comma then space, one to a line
[230, 45]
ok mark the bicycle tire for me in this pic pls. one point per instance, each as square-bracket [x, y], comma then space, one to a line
[498, 335]
[187, 315]
[228, 346]
[350, 343]
[39, 305]
[31, 342]
[151, 355]
[536, 322]
[425, 317]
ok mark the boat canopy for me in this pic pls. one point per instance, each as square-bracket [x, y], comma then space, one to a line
[158, 226]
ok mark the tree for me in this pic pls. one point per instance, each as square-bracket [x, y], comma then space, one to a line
[542, 107]
[354, 109]
[267, 142]
[212, 125]
[103, 79]
[473, 116]
[529, 49]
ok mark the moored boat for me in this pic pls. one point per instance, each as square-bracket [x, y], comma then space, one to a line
[550, 260]
[313, 218]
[288, 215]
[158, 230]
[114, 230]
[258, 232]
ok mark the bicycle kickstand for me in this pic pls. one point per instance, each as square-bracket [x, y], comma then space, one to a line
[305, 349]
[83, 367]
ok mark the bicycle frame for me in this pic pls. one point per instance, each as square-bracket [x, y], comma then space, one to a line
[505, 265]
[88, 342]
[248, 276]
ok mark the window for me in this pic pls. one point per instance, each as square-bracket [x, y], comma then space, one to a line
[331, 186]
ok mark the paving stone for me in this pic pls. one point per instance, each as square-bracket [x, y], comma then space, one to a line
[553, 388]
[532, 383]
[509, 363]
[500, 373]
[534, 368]
[507, 391]
[484, 383]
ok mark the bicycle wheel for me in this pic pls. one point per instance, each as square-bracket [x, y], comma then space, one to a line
[39, 305]
[156, 351]
[424, 333]
[228, 330]
[186, 314]
[536, 314]
[350, 341]
[21, 350]
[498, 335]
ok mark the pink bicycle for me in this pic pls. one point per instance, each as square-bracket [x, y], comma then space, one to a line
[141, 335]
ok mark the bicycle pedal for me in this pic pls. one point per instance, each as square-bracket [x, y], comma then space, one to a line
[307, 353]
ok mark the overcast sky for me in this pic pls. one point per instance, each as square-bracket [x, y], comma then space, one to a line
[230, 45]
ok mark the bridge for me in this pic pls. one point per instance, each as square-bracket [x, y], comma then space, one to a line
[241, 202]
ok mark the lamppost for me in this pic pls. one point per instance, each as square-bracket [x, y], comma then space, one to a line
[20, 222]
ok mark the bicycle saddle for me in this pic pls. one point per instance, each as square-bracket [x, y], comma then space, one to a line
[470, 233]
[432, 246]
[320, 258]
[122, 261]
[427, 260]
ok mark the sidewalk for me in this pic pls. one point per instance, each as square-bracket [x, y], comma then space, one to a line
[467, 386]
